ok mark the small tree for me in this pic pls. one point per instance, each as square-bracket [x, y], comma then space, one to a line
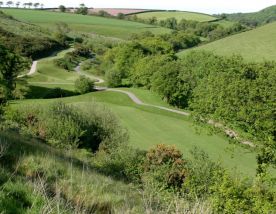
[30, 4]
[1, 3]
[41, 6]
[9, 3]
[121, 16]
[17, 4]
[82, 10]
[36, 5]
[84, 85]
[62, 8]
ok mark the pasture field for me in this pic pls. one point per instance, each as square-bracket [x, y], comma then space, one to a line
[86, 24]
[200, 17]
[255, 45]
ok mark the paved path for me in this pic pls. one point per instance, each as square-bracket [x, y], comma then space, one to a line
[31, 71]
[98, 80]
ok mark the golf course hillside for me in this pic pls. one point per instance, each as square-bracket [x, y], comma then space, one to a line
[264, 16]
[254, 45]
[86, 24]
[156, 112]
[178, 15]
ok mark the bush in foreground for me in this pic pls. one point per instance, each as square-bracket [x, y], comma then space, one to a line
[66, 126]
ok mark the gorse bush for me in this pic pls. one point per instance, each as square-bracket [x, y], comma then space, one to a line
[166, 165]
[84, 85]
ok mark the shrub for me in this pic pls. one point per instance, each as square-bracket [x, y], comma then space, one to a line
[84, 85]
[68, 62]
[166, 165]
[68, 126]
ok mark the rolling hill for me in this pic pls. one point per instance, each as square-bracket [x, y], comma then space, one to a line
[266, 15]
[161, 15]
[25, 38]
[87, 24]
[255, 45]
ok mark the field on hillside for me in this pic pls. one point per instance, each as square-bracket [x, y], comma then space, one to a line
[116, 11]
[88, 24]
[200, 17]
[255, 45]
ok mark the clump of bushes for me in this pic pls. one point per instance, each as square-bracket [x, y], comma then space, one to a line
[68, 126]
[72, 59]
[165, 176]
[84, 85]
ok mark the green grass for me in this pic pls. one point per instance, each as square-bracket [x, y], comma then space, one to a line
[48, 73]
[149, 126]
[255, 45]
[200, 17]
[224, 23]
[147, 96]
[42, 178]
[21, 28]
[87, 24]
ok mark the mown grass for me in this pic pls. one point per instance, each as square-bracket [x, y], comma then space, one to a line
[200, 17]
[149, 126]
[50, 74]
[255, 45]
[88, 24]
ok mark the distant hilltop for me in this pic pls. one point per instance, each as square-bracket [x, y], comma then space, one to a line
[110, 11]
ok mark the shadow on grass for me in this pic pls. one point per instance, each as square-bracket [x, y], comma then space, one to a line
[19, 146]
[38, 92]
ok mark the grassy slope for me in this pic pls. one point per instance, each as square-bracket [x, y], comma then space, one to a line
[149, 126]
[71, 178]
[178, 15]
[254, 45]
[87, 24]
[21, 28]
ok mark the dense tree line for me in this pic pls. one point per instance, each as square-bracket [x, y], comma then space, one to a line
[210, 30]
